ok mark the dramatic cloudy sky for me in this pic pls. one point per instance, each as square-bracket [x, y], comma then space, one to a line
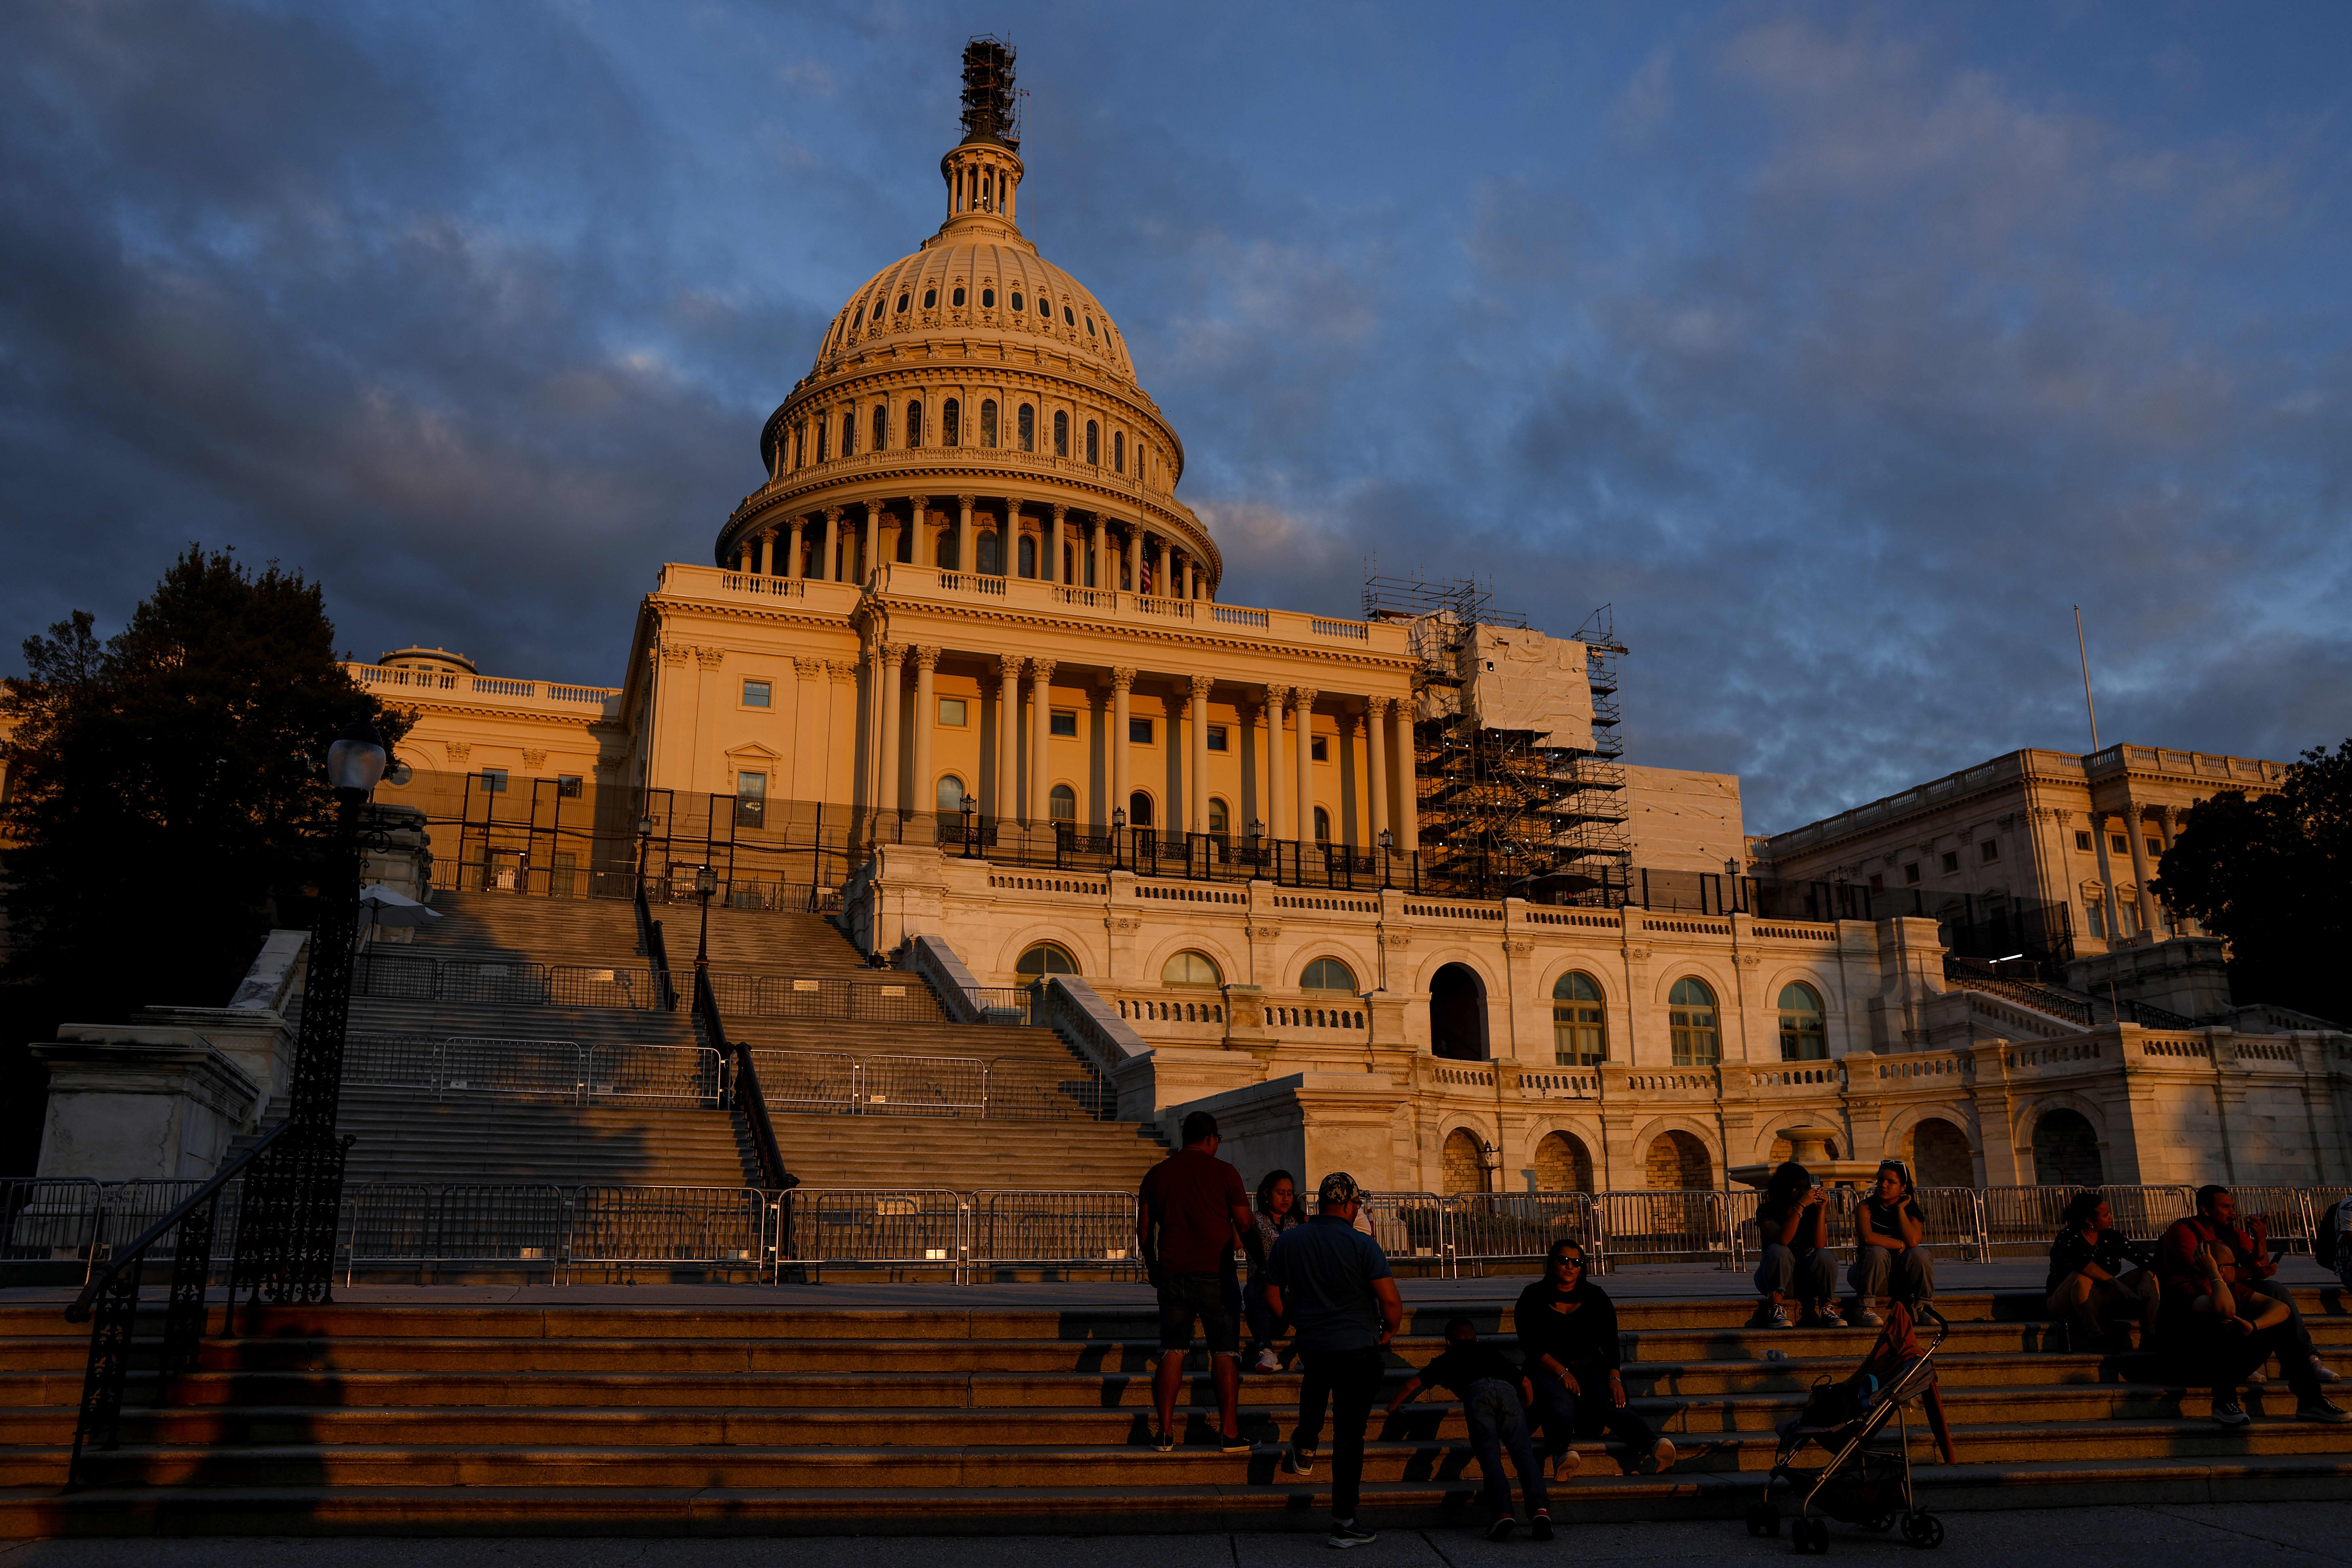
[1843, 348]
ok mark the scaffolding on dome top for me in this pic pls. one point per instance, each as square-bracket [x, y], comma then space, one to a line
[1502, 812]
[991, 104]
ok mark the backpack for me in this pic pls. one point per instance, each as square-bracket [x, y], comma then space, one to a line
[2323, 1244]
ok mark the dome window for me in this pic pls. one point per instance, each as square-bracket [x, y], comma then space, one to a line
[1028, 428]
[857, 316]
[988, 422]
[930, 298]
[881, 426]
[914, 425]
[957, 298]
[1061, 434]
[1068, 319]
[1119, 452]
[902, 306]
[1094, 443]
[951, 423]
[988, 299]
[1090, 326]
[1016, 299]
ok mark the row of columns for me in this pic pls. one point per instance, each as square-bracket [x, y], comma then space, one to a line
[1287, 714]
[2135, 818]
[879, 539]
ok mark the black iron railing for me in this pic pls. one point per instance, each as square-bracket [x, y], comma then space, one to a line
[110, 1304]
[657, 951]
[744, 1094]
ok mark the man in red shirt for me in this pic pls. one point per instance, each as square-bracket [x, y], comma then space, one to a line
[2217, 1320]
[1191, 1206]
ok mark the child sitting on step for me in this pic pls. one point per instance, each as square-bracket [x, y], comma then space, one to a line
[1495, 1394]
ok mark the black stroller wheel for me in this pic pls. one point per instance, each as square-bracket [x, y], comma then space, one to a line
[1923, 1529]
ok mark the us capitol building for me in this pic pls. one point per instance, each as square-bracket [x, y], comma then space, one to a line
[1375, 887]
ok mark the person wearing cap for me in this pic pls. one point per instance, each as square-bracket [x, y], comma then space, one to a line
[1333, 1283]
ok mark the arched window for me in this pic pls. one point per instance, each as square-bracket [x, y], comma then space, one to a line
[1060, 433]
[1322, 826]
[1028, 425]
[1690, 1018]
[857, 316]
[881, 426]
[1940, 1155]
[1016, 299]
[1062, 803]
[1028, 556]
[1046, 958]
[1220, 815]
[2066, 1149]
[956, 298]
[1802, 1036]
[902, 309]
[951, 796]
[946, 551]
[1138, 810]
[1678, 1163]
[988, 299]
[930, 298]
[1328, 975]
[1563, 1165]
[951, 423]
[1191, 968]
[988, 422]
[849, 433]
[1119, 451]
[1068, 319]
[824, 437]
[914, 425]
[1094, 442]
[1580, 1030]
[989, 556]
[1462, 1164]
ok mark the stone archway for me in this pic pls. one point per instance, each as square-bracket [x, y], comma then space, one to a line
[1563, 1165]
[1462, 1169]
[2066, 1149]
[1457, 1013]
[1676, 1161]
[1940, 1155]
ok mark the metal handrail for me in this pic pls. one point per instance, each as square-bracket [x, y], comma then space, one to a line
[650, 937]
[745, 1093]
[79, 1312]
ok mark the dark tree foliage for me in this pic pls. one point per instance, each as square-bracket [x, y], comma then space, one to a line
[167, 800]
[2273, 876]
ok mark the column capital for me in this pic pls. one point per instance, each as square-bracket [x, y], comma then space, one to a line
[832, 514]
[926, 658]
[809, 669]
[873, 507]
[1122, 679]
[843, 670]
[1275, 696]
[1378, 707]
[891, 652]
[967, 503]
[1306, 696]
[1041, 669]
[1201, 685]
[1059, 512]
[767, 535]
[1009, 666]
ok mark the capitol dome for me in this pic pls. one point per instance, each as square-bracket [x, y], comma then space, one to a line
[968, 407]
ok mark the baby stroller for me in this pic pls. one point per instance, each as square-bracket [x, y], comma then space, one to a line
[1860, 1483]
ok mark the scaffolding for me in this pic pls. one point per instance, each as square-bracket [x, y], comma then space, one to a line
[1506, 810]
[991, 104]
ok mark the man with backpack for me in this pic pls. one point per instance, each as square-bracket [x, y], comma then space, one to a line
[2332, 1242]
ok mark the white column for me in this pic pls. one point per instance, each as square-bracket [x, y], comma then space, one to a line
[1161, 582]
[1040, 731]
[1122, 682]
[890, 797]
[1005, 806]
[966, 560]
[832, 543]
[796, 558]
[1408, 812]
[768, 552]
[1051, 567]
[918, 547]
[1101, 562]
[1278, 777]
[927, 708]
[1304, 705]
[1196, 755]
[2139, 830]
[1376, 711]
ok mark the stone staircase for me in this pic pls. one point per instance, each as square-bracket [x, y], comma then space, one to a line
[403, 1137]
[959, 1418]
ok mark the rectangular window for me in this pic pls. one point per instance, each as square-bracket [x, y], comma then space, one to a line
[1911, 872]
[1138, 731]
[750, 800]
[952, 712]
[1990, 850]
[1062, 722]
[567, 785]
[2156, 847]
[2095, 918]
[1951, 861]
[1217, 738]
[494, 781]
[1322, 749]
[755, 693]
[2118, 845]
[2082, 842]
[1877, 882]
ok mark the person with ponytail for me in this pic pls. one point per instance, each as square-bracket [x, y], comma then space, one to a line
[1892, 1259]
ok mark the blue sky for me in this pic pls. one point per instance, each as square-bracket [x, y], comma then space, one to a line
[1843, 349]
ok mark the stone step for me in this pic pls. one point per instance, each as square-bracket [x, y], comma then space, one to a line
[1287, 1504]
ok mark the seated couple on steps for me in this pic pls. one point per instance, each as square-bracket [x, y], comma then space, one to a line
[1890, 1261]
[2223, 1315]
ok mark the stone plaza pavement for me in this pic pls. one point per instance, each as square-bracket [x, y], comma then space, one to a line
[2190, 1536]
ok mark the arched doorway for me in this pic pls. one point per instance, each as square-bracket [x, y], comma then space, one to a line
[1940, 1156]
[2066, 1151]
[1563, 1165]
[1461, 1169]
[1457, 1013]
[1678, 1161]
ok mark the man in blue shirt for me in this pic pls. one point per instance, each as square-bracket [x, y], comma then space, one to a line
[1333, 1283]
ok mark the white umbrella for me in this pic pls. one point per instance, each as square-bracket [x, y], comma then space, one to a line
[386, 908]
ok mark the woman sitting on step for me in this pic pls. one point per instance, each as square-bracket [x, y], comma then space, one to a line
[2093, 1277]
[1892, 1259]
[1795, 1224]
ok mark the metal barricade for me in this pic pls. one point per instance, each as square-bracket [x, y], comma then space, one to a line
[1747, 1237]
[1520, 1227]
[580, 985]
[2144, 1212]
[905, 1000]
[1682, 1225]
[1092, 1230]
[512, 1069]
[499, 1227]
[410, 1062]
[922, 1085]
[510, 980]
[2022, 1222]
[1956, 1224]
[49, 1219]
[1022, 1088]
[631, 1074]
[807, 1081]
[395, 975]
[705, 1229]
[1409, 1227]
[2320, 1200]
[1739, 1231]
[2290, 1221]
[903, 1227]
[125, 1210]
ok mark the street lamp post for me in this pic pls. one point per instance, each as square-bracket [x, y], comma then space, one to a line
[969, 812]
[1388, 848]
[294, 1193]
[1118, 835]
[706, 882]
